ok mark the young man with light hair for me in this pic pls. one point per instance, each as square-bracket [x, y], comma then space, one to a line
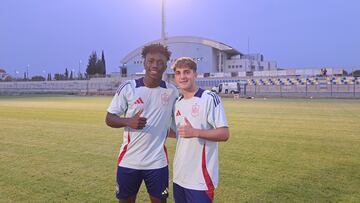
[200, 123]
[146, 105]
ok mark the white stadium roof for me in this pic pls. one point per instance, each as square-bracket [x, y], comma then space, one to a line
[186, 39]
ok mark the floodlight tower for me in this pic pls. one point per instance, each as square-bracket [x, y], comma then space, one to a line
[163, 33]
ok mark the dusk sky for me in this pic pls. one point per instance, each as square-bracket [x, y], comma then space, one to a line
[50, 36]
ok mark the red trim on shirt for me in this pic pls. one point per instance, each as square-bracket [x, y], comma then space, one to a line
[167, 158]
[122, 154]
[208, 181]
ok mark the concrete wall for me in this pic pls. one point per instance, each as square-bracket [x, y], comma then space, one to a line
[82, 87]
[108, 86]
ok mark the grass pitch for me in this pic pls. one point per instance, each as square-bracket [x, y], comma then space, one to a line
[280, 150]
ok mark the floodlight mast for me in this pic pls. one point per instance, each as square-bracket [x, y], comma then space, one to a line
[163, 33]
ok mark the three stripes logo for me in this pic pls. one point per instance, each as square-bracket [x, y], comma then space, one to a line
[139, 101]
[121, 87]
[215, 97]
[178, 113]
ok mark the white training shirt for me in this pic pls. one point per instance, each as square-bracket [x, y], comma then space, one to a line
[145, 148]
[196, 159]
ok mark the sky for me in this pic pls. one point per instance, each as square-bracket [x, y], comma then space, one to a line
[46, 36]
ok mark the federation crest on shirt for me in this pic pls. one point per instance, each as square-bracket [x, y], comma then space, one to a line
[195, 109]
[165, 98]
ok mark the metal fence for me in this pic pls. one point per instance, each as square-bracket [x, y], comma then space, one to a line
[307, 90]
[347, 87]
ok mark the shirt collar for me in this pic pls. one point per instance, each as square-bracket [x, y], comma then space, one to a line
[140, 83]
[199, 93]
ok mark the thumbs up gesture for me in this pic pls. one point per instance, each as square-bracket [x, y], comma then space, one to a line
[137, 122]
[186, 130]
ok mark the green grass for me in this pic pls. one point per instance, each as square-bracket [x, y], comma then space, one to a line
[280, 150]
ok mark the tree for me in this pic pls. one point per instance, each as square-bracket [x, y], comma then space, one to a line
[96, 66]
[103, 62]
[356, 73]
[91, 67]
[66, 74]
[37, 78]
[100, 67]
[49, 77]
[59, 76]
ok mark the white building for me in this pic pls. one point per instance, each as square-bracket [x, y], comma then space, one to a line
[212, 57]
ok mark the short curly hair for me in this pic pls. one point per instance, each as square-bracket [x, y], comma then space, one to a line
[156, 48]
[184, 62]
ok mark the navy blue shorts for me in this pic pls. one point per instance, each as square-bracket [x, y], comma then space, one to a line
[128, 182]
[184, 195]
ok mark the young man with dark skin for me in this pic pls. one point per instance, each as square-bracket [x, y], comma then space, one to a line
[201, 123]
[143, 107]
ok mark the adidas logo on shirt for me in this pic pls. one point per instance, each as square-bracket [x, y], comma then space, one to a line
[139, 101]
[178, 113]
